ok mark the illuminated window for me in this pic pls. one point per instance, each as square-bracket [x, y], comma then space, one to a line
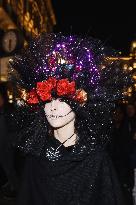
[134, 76]
[134, 65]
[130, 68]
[125, 67]
[134, 44]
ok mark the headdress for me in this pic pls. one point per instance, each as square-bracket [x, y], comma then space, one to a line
[75, 69]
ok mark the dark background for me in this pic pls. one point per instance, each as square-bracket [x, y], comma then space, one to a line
[114, 22]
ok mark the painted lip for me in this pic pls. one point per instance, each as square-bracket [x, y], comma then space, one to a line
[58, 116]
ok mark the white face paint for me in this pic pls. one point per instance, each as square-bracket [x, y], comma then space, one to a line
[58, 113]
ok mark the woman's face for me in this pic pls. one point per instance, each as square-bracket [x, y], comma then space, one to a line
[58, 113]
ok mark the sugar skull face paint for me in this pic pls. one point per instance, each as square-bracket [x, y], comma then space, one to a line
[58, 113]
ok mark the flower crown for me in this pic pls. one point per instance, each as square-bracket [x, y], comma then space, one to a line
[44, 91]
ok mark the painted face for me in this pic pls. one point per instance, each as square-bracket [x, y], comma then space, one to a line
[58, 113]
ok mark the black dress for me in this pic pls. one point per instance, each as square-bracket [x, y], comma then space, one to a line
[70, 176]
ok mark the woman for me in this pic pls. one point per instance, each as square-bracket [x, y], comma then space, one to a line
[70, 89]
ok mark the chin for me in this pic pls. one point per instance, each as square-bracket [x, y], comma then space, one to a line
[57, 124]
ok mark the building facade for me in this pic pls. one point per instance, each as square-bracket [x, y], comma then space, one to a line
[129, 64]
[20, 20]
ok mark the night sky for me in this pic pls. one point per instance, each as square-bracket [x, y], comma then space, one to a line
[113, 23]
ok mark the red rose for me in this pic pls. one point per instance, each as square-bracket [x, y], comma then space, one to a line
[65, 88]
[52, 81]
[71, 88]
[44, 90]
[32, 97]
[62, 86]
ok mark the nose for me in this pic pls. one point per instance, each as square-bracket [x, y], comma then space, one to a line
[53, 105]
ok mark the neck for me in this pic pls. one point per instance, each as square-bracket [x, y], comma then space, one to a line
[65, 132]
